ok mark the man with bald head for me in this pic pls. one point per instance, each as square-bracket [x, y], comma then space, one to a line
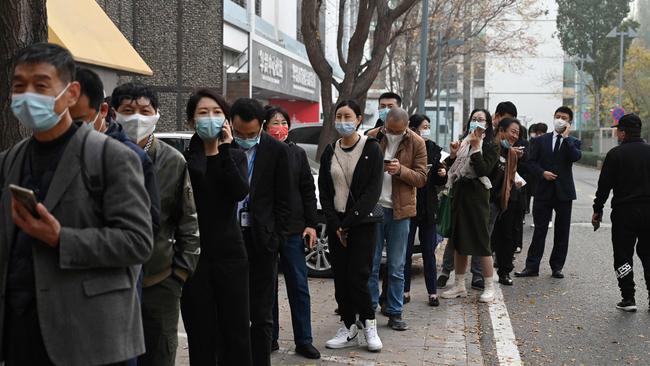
[405, 170]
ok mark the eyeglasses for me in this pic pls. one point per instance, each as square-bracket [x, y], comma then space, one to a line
[478, 120]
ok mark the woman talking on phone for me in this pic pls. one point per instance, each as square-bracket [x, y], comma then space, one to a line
[215, 302]
[471, 161]
[302, 230]
[350, 182]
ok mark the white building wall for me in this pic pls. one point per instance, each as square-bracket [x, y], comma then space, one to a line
[287, 15]
[533, 82]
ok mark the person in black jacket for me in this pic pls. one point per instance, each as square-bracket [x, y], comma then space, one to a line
[349, 183]
[263, 217]
[626, 171]
[215, 299]
[302, 228]
[551, 164]
[427, 206]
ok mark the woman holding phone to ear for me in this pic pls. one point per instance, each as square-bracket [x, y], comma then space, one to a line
[302, 231]
[349, 183]
[471, 160]
[215, 299]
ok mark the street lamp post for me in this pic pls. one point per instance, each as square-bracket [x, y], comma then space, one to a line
[424, 55]
[581, 90]
[613, 34]
[440, 44]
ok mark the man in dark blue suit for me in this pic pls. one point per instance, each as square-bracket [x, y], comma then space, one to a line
[551, 163]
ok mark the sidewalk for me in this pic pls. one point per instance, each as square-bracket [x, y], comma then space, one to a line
[446, 335]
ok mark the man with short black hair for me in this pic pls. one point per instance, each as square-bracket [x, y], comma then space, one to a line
[263, 217]
[551, 163]
[626, 171]
[387, 101]
[176, 245]
[92, 109]
[71, 266]
[504, 110]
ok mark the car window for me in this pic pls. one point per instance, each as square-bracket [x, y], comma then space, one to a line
[305, 135]
[177, 143]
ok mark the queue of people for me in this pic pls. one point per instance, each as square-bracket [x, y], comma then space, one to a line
[113, 234]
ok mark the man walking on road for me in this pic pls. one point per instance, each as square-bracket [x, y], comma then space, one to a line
[551, 164]
[626, 171]
[405, 160]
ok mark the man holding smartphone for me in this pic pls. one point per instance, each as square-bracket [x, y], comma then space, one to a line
[71, 271]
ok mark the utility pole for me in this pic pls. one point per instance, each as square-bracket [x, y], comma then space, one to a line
[424, 55]
[613, 34]
[439, 74]
[581, 91]
[447, 113]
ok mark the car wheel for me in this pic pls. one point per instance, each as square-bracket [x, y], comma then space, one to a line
[318, 259]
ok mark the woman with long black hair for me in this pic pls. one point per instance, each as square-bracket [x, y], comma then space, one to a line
[471, 161]
[215, 299]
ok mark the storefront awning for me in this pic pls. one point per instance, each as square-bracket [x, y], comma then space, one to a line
[82, 27]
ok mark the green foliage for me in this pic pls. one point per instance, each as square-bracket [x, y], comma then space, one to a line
[583, 26]
[591, 158]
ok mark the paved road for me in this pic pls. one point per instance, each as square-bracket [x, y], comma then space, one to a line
[574, 320]
[539, 321]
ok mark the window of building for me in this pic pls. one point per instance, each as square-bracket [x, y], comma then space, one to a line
[241, 3]
[258, 8]
[568, 102]
[479, 103]
[479, 74]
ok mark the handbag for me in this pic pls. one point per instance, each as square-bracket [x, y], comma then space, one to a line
[377, 213]
[444, 215]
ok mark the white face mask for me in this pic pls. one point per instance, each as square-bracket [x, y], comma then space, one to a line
[137, 126]
[560, 125]
[425, 134]
[394, 139]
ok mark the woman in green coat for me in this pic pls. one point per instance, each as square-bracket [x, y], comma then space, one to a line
[471, 161]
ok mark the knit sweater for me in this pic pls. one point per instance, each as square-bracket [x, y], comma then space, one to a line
[343, 164]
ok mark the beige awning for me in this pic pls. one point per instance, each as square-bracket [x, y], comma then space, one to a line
[82, 27]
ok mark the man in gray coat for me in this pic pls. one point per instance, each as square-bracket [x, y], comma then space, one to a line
[69, 264]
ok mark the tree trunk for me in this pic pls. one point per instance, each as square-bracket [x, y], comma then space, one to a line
[22, 22]
[597, 104]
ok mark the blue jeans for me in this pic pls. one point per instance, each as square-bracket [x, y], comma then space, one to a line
[427, 236]
[395, 234]
[292, 256]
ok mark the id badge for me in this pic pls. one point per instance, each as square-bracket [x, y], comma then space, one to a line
[245, 218]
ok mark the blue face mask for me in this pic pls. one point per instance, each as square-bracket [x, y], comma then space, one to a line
[36, 111]
[209, 128]
[345, 128]
[247, 144]
[383, 113]
[474, 125]
[505, 144]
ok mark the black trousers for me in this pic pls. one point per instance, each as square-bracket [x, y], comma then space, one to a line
[503, 239]
[160, 311]
[630, 228]
[263, 273]
[352, 266]
[542, 212]
[216, 314]
[23, 341]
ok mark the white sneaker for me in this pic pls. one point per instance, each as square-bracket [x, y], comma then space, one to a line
[372, 338]
[488, 293]
[454, 292]
[344, 338]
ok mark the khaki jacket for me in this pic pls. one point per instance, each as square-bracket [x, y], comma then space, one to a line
[412, 155]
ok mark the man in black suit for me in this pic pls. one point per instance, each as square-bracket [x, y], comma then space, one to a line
[551, 163]
[263, 217]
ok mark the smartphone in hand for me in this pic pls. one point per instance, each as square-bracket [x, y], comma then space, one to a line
[25, 197]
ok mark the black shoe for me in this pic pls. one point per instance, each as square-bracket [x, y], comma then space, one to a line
[527, 273]
[308, 351]
[274, 346]
[478, 283]
[407, 299]
[442, 280]
[384, 311]
[433, 301]
[396, 322]
[505, 280]
[558, 274]
[628, 305]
